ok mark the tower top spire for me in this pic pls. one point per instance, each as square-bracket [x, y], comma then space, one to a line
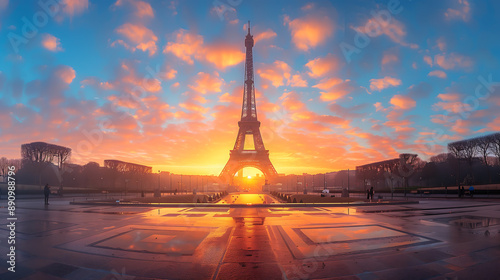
[248, 27]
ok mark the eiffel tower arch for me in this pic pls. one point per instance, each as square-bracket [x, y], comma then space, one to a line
[258, 157]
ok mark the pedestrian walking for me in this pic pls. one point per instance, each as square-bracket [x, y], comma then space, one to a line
[371, 193]
[46, 192]
[367, 194]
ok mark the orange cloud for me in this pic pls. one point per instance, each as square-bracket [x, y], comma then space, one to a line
[72, 7]
[185, 45]
[394, 29]
[453, 61]
[402, 102]
[380, 84]
[268, 34]
[449, 96]
[323, 65]
[291, 101]
[223, 55]
[207, 83]
[334, 88]
[51, 43]
[441, 44]
[462, 11]
[4, 4]
[451, 103]
[276, 73]
[140, 36]
[188, 46]
[389, 58]
[428, 60]
[461, 126]
[168, 73]
[297, 81]
[437, 73]
[311, 31]
[66, 74]
[141, 8]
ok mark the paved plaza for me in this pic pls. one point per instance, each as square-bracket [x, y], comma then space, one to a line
[434, 239]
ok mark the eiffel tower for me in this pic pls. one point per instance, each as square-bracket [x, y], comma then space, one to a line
[249, 125]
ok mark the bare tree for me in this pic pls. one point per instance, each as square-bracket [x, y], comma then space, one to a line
[15, 162]
[484, 147]
[440, 158]
[495, 145]
[4, 164]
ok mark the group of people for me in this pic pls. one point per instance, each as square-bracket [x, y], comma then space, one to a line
[369, 193]
[461, 191]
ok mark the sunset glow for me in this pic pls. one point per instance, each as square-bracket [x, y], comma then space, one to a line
[160, 83]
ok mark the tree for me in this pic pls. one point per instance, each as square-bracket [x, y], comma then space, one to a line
[440, 158]
[408, 165]
[495, 145]
[4, 164]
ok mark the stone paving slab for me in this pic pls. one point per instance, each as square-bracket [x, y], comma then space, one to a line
[445, 239]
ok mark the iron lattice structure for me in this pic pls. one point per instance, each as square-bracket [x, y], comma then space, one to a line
[248, 125]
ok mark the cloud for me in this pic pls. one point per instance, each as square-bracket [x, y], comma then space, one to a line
[168, 73]
[453, 61]
[334, 88]
[421, 90]
[428, 60]
[141, 37]
[449, 96]
[348, 112]
[389, 58]
[461, 126]
[402, 102]
[380, 84]
[66, 74]
[223, 55]
[322, 66]
[234, 97]
[268, 34]
[393, 29]
[188, 46]
[74, 7]
[4, 4]
[379, 107]
[461, 11]
[207, 83]
[141, 8]
[441, 44]
[51, 43]
[185, 46]
[437, 73]
[310, 31]
[279, 73]
[451, 103]
[297, 81]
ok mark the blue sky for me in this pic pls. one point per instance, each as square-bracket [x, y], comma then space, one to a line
[160, 82]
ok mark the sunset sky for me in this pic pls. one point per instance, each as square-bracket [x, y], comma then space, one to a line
[338, 83]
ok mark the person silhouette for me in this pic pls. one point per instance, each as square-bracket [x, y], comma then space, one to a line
[371, 193]
[367, 194]
[46, 192]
